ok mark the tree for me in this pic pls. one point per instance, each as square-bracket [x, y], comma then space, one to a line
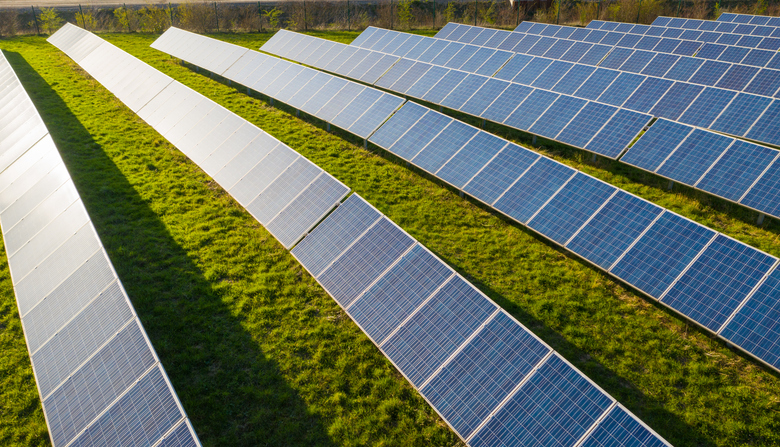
[405, 14]
[50, 20]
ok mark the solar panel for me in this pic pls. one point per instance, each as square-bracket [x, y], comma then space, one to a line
[556, 406]
[596, 84]
[694, 156]
[647, 94]
[568, 210]
[618, 133]
[740, 114]
[514, 66]
[737, 77]
[284, 187]
[765, 128]
[590, 119]
[463, 91]
[398, 124]
[437, 329]
[684, 69]
[444, 146]
[398, 293]
[530, 109]
[484, 97]
[483, 373]
[755, 327]
[707, 107]
[573, 79]
[676, 100]
[468, 161]
[533, 189]
[442, 88]
[655, 145]
[500, 173]
[420, 134]
[375, 115]
[557, 116]
[718, 281]
[621, 89]
[662, 253]
[364, 261]
[619, 428]
[616, 58]
[356, 108]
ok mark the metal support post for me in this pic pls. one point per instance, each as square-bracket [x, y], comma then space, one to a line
[671, 185]
[760, 220]
[216, 15]
[37, 30]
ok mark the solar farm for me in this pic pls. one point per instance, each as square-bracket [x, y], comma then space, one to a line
[550, 236]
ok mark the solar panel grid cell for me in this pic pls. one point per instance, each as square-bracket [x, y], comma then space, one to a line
[694, 156]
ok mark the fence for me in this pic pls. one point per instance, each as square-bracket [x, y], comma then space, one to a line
[305, 15]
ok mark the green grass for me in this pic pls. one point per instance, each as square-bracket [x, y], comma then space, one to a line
[260, 355]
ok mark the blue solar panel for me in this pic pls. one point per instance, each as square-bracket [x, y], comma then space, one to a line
[531, 109]
[470, 35]
[432, 51]
[765, 194]
[419, 49]
[500, 173]
[736, 171]
[743, 111]
[420, 134]
[678, 98]
[375, 115]
[628, 40]
[638, 61]
[756, 326]
[494, 63]
[100, 380]
[429, 79]
[684, 68]
[408, 45]
[557, 116]
[555, 407]
[673, 33]
[459, 59]
[619, 428]
[477, 60]
[728, 39]
[770, 43]
[444, 146]
[458, 96]
[620, 90]
[372, 74]
[656, 144]
[531, 71]
[659, 256]
[524, 198]
[447, 53]
[483, 97]
[140, 417]
[559, 49]
[470, 159]
[766, 128]
[576, 52]
[667, 45]
[356, 108]
[758, 58]
[513, 39]
[749, 41]
[552, 75]
[596, 83]
[613, 229]
[766, 82]
[734, 54]
[398, 124]
[718, 281]
[403, 82]
[479, 377]
[737, 77]
[383, 307]
[442, 88]
[437, 329]
[616, 58]
[707, 106]
[484, 37]
[694, 156]
[611, 38]
[573, 79]
[364, 38]
[568, 210]
[687, 48]
[396, 72]
[506, 102]
[595, 55]
[648, 94]
[335, 234]
[616, 135]
[359, 265]
[709, 73]
[711, 51]
[647, 43]
[497, 38]
[586, 124]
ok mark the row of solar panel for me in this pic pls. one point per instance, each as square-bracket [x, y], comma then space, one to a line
[492, 380]
[762, 56]
[602, 129]
[350, 106]
[727, 74]
[488, 168]
[284, 191]
[98, 376]
[468, 358]
[701, 274]
[703, 30]
[736, 23]
[718, 108]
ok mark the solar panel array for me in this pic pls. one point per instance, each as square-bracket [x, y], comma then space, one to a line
[98, 376]
[350, 106]
[283, 190]
[735, 23]
[471, 360]
[600, 128]
[602, 224]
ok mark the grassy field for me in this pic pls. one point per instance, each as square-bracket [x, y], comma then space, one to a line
[260, 355]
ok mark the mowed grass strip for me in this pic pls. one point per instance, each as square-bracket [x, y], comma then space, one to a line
[260, 355]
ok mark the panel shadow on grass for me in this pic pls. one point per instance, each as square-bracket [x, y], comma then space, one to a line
[233, 392]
